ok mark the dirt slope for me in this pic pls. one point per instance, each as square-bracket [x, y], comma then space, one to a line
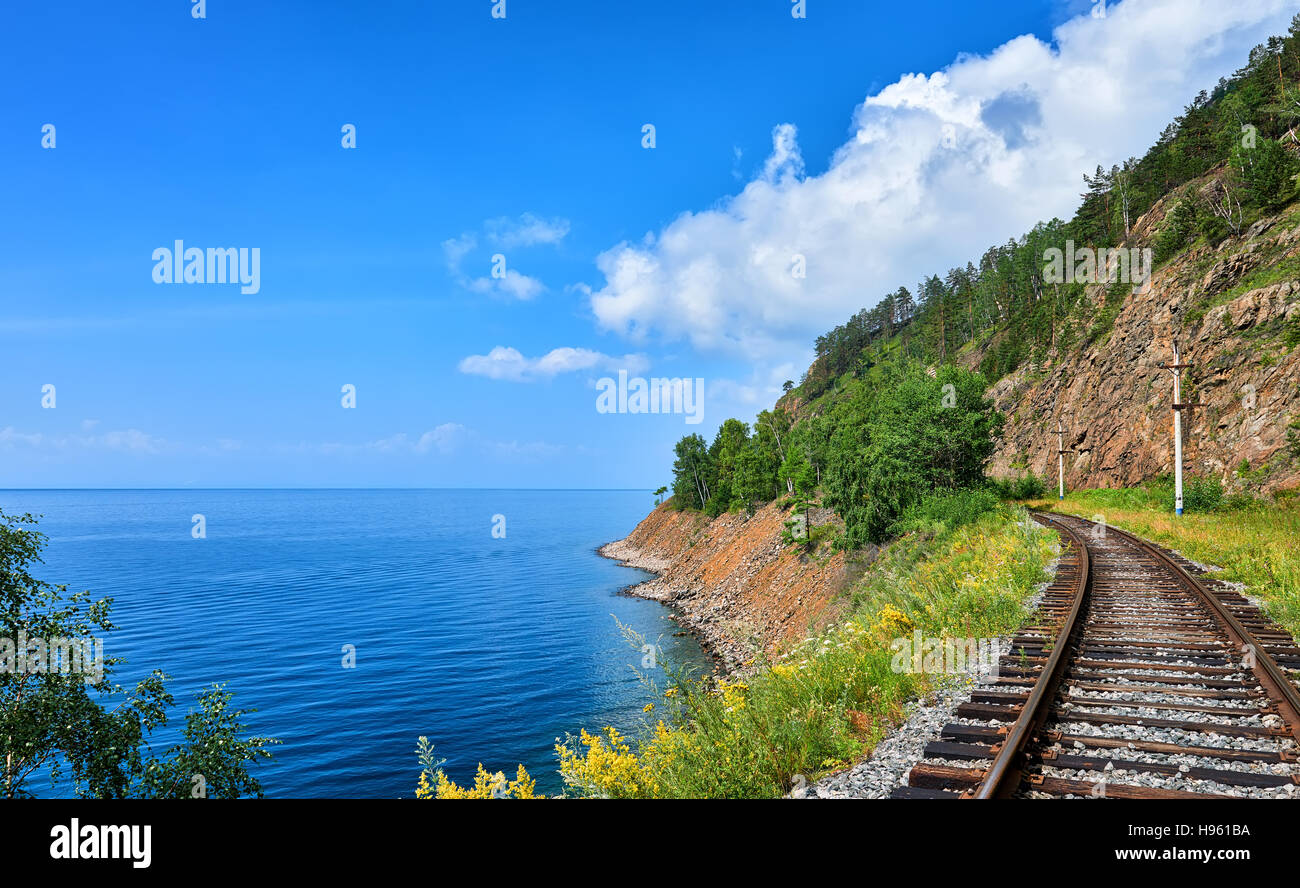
[733, 581]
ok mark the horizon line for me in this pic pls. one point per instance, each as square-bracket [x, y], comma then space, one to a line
[577, 489]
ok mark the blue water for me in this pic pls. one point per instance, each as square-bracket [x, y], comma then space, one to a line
[492, 648]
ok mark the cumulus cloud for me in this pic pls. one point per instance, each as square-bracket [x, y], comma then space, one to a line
[938, 168]
[504, 362]
[510, 284]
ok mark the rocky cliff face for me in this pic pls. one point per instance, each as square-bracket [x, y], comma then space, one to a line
[733, 581]
[1235, 310]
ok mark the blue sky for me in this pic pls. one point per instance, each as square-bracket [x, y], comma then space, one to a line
[873, 139]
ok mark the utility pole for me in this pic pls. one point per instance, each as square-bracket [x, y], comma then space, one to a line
[1176, 368]
[1060, 460]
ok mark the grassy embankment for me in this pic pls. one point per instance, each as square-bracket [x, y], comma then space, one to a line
[831, 699]
[1254, 541]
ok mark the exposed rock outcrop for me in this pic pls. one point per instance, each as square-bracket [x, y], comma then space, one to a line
[1115, 400]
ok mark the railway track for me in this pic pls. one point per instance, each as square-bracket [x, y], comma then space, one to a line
[1133, 679]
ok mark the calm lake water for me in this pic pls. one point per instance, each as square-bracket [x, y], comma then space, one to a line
[492, 648]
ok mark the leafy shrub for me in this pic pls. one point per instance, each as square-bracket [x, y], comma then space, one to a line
[950, 508]
[1291, 333]
[1202, 495]
[1212, 228]
[1237, 502]
[1027, 486]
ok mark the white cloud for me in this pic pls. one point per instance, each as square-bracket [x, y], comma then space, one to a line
[756, 394]
[10, 436]
[504, 362]
[938, 169]
[736, 155]
[125, 441]
[511, 283]
[785, 163]
[444, 439]
[526, 231]
[456, 249]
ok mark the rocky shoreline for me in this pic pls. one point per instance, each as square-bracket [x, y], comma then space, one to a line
[728, 657]
[732, 581]
[629, 555]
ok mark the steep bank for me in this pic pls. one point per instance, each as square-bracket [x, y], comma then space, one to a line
[733, 581]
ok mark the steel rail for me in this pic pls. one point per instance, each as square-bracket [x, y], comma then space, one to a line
[1270, 675]
[1003, 775]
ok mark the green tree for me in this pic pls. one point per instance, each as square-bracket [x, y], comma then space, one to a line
[1268, 172]
[920, 434]
[691, 473]
[1179, 225]
[797, 472]
[724, 457]
[55, 720]
[755, 478]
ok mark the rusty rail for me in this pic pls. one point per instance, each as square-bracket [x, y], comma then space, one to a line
[1003, 776]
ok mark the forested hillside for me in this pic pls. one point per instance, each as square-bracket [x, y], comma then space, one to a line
[893, 408]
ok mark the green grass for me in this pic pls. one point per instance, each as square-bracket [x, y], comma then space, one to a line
[1272, 271]
[1286, 269]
